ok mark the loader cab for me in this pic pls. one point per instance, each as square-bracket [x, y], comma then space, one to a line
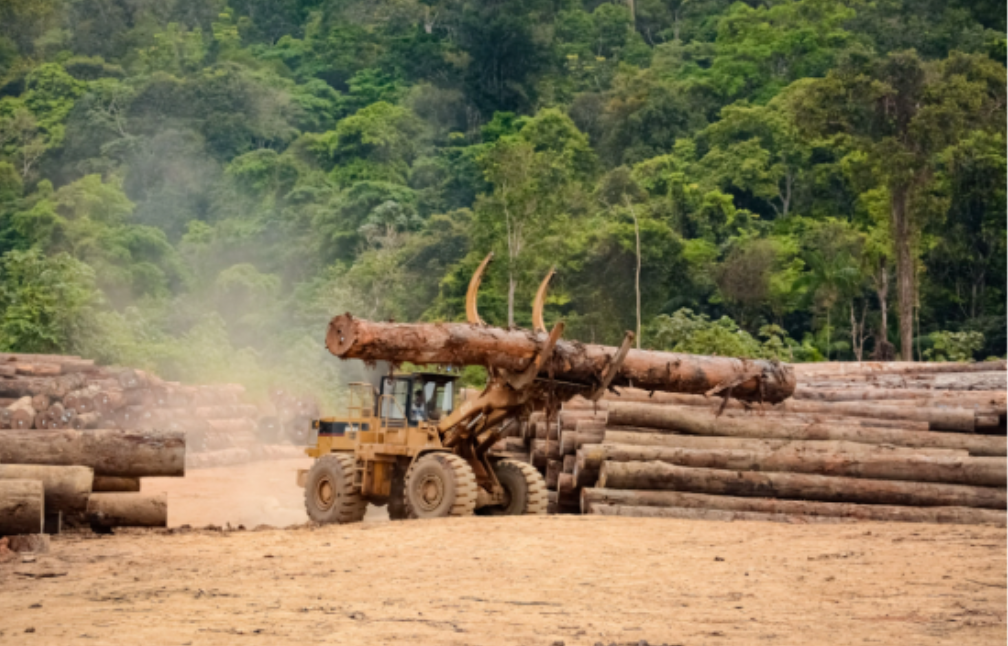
[397, 403]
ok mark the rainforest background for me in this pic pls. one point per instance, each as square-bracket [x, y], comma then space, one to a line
[197, 186]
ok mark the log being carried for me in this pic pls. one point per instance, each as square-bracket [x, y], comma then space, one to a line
[442, 464]
[586, 365]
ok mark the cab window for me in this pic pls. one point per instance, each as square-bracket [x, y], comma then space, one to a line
[399, 389]
[439, 398]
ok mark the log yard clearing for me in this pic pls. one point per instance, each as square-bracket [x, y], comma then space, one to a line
[505, 580]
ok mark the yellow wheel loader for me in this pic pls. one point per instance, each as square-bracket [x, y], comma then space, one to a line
[408, 443]
[389, 450]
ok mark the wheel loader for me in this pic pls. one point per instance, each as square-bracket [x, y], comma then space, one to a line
[410, 445]
[389, 450]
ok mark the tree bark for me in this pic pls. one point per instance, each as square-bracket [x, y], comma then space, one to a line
[108, 484]
[965, 381]
[66, 488]
[592, 498]
[569, 420]
[87, 420]
[936, 418]
[905, 268]
[553, 470]
[124, 454]
[758, 444]
[700, 422]
[566, 489]
[832, 368]
[890, 465]
[22, 507]
[462, 344]
[926, 397]
[21, 414]
[658, 475]
[109, 510]
[537, 454]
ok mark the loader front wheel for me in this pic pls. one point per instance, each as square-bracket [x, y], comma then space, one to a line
[439, 485]
[525, 489]
[330, 494]
[397, 499]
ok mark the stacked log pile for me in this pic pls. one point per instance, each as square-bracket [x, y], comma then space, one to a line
[916, 442]
[66, 392]
[87, 477]
[76, 439]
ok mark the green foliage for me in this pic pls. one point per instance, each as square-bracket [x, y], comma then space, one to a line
[47, 302]
[954, 346]
[686, 331]
[204, 184]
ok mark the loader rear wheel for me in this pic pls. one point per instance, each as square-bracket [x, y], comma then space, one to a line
[330, 494]
[525, 489]
[439, 485]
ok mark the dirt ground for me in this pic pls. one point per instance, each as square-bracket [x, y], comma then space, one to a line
[541, 581]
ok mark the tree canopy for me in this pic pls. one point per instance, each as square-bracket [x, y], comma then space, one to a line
[196, 187]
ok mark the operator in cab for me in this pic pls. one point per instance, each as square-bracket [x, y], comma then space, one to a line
[419, 411]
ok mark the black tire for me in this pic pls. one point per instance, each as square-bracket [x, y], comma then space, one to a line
[525, 487]
[330, 494]
[397, 499]
[440, 485]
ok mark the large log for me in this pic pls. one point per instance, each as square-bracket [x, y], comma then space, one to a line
[958, 382]
[758, 444]
[736, 409]
[969, 399]
[801, 486]
[24, 386]
[591, 498]
[937, 418]
[874, 465]
[21, 413]
[107, 510]
[127, 454]
[805, 370]
[702, 422]
[66, 488]
[462, 344]
[22, 507]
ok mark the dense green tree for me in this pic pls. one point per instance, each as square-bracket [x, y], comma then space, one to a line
[196, 186]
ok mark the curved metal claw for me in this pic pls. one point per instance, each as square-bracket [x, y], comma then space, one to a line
[540, 301]
[472, 314]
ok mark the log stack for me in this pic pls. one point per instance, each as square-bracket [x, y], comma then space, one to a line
[76, 439]
[914, 442]
[74, 470]
[66, 392]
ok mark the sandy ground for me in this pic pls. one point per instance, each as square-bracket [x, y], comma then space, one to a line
[576, 580]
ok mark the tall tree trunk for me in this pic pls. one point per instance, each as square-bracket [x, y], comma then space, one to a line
[829, 334]
[904, 270]
[636, 228]
[882, 290]
[511, 294]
